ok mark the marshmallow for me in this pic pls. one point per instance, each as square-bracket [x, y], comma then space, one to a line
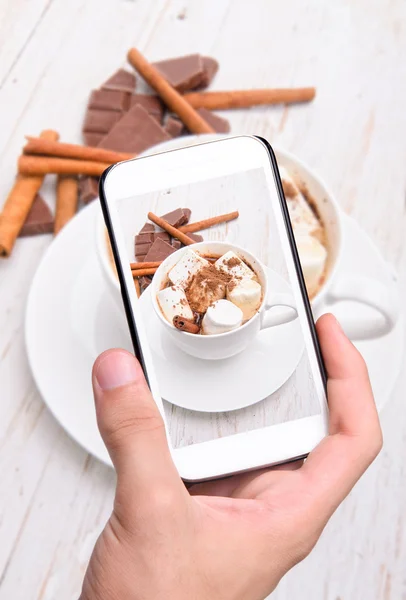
[246, 294]
[304, 219]
[173, 301]
[313, 257]
[186, 267]
[232, 264]
[221, 316]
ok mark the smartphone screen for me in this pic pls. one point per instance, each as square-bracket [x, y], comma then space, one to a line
[226, 319]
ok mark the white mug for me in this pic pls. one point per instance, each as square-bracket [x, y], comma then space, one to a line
[335, 287]
[224, 345]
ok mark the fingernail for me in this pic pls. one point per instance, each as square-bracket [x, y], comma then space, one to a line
[116, 369]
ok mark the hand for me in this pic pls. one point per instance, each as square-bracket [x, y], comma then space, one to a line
[231, 539]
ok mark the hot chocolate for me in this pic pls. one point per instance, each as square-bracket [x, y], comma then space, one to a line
[210, 294]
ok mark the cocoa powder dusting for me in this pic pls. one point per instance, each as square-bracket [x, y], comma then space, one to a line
[206, 286]
[232, 262]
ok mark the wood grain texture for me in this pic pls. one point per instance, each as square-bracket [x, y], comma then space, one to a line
[54, 499]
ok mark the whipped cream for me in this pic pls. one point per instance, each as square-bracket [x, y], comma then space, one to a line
[220, 317]
[173, 301]
[246, 294]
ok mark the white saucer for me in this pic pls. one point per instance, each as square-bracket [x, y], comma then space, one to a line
[70, 319]
[228, 384]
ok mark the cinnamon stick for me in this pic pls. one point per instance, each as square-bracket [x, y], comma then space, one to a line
[137, 287]
[19, 203]
[145, 265]
[206, 223]
[66, 201]
[36, 145]
[171, 230]
[191, 119]
[43, 165]
[247, 98]
[142, 272]
[186, 325]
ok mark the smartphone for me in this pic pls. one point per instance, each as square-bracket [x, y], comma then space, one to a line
[221, 323]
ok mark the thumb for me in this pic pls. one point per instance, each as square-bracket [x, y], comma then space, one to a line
[131, 426]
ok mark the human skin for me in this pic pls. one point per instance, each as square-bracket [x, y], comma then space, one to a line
[231, 539]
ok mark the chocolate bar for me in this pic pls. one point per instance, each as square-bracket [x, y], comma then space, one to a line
[219, 124]
[143, 238]
[162, 235]
[176, 218]
[39, 219]
[152, 105]
[109, 100]
[183, 73]
[135, 132]
[147, 228]
[121, 80]
[195, 237]
[88, 189]
[100, 121]
[188, 214]
[173, 127]
[210, 68]
[92, 139]
[142, 249]
[159, 251]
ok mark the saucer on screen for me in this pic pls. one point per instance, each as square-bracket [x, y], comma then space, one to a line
[228, 384]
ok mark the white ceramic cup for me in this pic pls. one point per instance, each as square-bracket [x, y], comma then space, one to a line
[224, 345]
[336, 287]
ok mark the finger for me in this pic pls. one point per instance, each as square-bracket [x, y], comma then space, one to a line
[131, 426]
[245, 485]
[355, 438]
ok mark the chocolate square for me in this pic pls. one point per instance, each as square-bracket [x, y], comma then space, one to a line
[188, 214]
[159, 251]
[135, 132]
[88, 189]
[210, 68]
[219, 124]
[162, 235]
[174, 127]
[183, 73]
[92, 139]
[144, 238]
[145, 281]
[176, 243]
[142, 249]
[110, 100]
[39, 219]
[121, 80]
[152, 104]
[195, 237]
[175, 217]
[100, 121]
[147, 228]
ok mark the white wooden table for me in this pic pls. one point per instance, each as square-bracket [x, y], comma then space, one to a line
[54, 498]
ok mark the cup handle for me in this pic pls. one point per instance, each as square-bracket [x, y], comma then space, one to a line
[372, 293]
[271, 318]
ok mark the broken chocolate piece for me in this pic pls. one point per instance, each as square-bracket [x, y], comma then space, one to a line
[176, 218]
[159, 251]
[195, 237]
[188, 214]
[152, 104]
[219, 124]
[147, 228]
[135, 132]
[39, 219]
[183, 73]
[142, 249]
[92, 139]
[100, 121]
[140, 257]
[145, 281]
[109, 100]
[210, 68]
[161, 235]
[144, 238]
[121, 80]
[174, 127]
[88, 189]
[176, 243]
